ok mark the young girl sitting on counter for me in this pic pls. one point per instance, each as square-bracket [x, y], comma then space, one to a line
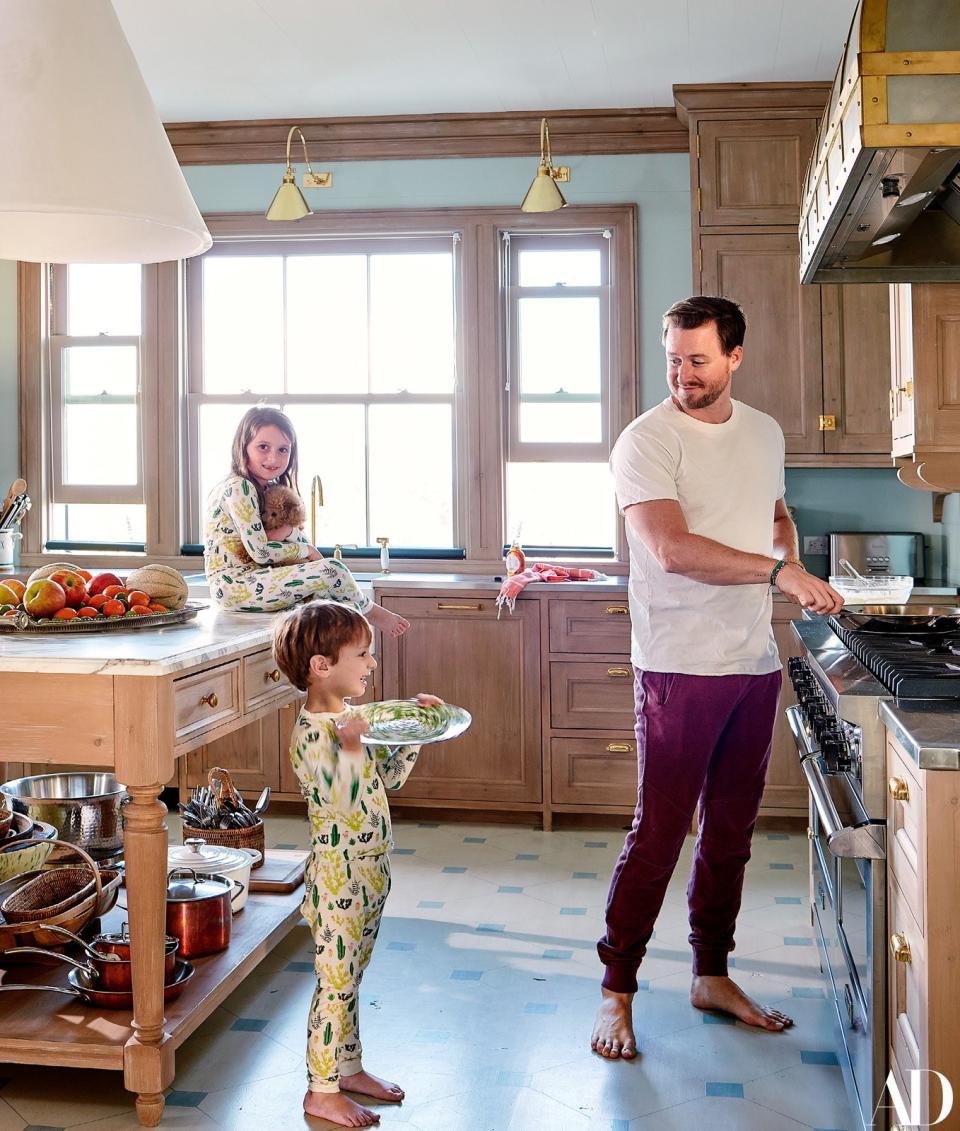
[250, 569]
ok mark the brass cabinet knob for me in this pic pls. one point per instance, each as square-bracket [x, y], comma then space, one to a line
[898, 789]
[274, 675]
[618, 673]
[211, 699]
[619, 747]
[618, 610]
[900, 948]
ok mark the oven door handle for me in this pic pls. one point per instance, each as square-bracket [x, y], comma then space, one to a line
[860, 842]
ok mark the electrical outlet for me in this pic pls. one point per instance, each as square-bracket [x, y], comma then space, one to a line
[816, 544]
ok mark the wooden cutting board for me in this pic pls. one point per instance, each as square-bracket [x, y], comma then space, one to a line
[282, 870]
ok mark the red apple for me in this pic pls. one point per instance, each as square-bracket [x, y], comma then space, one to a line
[100, 581]
[8, 596]
[44, 597]
[73, 587]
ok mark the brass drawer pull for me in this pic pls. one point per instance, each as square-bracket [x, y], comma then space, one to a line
[274, 675]
[619, 747]
[473, 608]
[615, 609]
[900, 948]
[211, 699]
[618, 672]
[898, 789]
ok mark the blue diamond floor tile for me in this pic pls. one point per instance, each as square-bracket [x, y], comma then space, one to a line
[797, 940]
[719, 1019]
[433, 904]
[573, 911]
[508, 1079]
[787, 899]
[43, 1127]
[466, 975]
[491, 928]
[401, 946]
[185, 1099]
[404, 852]
[807, 991]
[286, 846]
[584, 875]
[428, 824]
[818, 1056]
[509, 889]
[299, 967]
[780, 867]
[540, 1007]
[474, 840]
[453, 870]
[560, 954]
[249, 1024]
[644, 985]
[724, 1088]
[527, 856]
[594, 844]
[620, 1125]
[778, 836]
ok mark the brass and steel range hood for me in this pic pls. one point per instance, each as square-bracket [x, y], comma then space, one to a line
[881, 198]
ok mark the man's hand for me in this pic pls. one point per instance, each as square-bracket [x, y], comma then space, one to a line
[425, 699]
[349, 727]
[803, 589]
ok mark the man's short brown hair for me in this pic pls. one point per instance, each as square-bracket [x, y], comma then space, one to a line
[317, 628]
[690, 313]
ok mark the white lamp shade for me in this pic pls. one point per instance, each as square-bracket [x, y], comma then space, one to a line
[87, 174]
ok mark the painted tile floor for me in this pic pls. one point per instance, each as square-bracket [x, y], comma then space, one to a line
[480, 1001]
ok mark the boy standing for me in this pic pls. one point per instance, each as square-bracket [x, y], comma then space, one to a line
[323, 648]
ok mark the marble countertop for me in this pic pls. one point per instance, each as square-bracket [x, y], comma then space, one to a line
[929, 731]
[213, 635]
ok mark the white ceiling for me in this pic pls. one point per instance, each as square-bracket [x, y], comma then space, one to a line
[209, 60]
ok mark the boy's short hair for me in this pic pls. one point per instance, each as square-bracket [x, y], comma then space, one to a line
[316, 628]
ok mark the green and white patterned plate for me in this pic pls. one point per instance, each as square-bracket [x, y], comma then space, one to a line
[396, 722]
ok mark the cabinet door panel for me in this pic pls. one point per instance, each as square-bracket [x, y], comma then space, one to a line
[492, 668]
[594, 771]
[786, 787]
[251, 754]
[856, 367]
[751, 171]
[589, 626]
[781, 371]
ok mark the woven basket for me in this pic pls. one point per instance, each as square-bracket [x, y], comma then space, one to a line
[253, 837]
[55, 892]
[101, 897]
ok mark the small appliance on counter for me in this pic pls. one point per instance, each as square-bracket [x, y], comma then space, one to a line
[873, 552]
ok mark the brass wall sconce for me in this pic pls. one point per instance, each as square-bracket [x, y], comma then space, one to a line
[289, 203]
[543, 195]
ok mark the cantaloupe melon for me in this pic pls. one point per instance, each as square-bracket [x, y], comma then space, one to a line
[47, 570]
[162, 584]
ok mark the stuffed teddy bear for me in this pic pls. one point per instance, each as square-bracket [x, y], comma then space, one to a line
[282, 506]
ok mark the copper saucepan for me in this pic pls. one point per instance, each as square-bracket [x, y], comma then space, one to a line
[82, 986]
[199, 911]
[109, 956]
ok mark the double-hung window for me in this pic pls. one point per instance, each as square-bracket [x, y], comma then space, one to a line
[355, 339]
[101, 348]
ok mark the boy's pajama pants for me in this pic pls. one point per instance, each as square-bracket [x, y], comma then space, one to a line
[343, 905]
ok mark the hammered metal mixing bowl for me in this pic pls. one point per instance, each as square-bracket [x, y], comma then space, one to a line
[85, 808]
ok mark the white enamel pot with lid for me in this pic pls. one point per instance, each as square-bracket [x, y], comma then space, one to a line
[205, 859]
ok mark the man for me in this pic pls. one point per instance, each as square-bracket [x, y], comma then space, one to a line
[699, 480]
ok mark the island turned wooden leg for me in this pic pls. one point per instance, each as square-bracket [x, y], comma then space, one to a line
[148, 1056]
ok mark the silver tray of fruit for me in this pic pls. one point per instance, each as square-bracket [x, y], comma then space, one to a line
[22, 622]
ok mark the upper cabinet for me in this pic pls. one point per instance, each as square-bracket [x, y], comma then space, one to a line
[817, 359]
[924, 396]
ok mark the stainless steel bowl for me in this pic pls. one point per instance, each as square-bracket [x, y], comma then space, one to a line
[85, 808]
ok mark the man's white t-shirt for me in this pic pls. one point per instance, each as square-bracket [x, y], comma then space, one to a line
[727, 479]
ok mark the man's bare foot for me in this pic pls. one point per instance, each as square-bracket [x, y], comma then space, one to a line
[366, 1084]
[613, 1029]
[390, 624]
[713, 992]
[339, 1109]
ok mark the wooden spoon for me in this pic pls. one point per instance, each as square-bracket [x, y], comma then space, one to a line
[17, 487]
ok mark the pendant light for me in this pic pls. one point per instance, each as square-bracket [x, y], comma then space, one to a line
[288, 202]
[543, 195]
[88, 175]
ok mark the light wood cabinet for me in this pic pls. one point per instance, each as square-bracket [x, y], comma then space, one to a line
[785, 793]
[457, 648]
[923, 877]
[251, 754]
[924, 398]
[816, 358]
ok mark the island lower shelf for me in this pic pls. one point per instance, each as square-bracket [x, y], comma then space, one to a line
[48, 1028]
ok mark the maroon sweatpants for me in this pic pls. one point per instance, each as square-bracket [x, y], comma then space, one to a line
[703, 738]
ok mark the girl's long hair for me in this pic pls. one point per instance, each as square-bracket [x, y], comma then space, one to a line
[262, 416]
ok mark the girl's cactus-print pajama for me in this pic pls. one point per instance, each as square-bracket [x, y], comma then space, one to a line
[248, 573]
[347, 881]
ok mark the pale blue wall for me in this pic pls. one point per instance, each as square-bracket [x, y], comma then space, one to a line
[659, 184]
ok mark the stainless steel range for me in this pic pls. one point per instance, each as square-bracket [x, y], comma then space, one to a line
[840, 682]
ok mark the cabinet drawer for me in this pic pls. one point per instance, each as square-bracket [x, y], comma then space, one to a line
[206, 700]
[905, 826]
[591, 696]
[906, 984]
[590, 626]
[594, 771]
[262, 679]
[450, 607]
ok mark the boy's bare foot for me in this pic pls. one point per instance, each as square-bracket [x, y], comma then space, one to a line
[613, 1029]
[713, 992]
[366, 1084]
[390, 624]
[339, 1109]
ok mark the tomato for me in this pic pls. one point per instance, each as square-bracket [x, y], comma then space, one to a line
[113, 608]
[115, 591]
[88, 611]
[97, 601]
[159, 609]
[65, 614]
[139, 611]
[138, 597]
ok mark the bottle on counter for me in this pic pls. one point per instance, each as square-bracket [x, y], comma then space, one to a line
[514, 560]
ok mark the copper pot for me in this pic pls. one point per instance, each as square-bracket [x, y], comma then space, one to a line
[108, 958]
[199, 911]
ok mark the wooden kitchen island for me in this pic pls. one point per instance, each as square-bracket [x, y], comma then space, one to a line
[136, 701]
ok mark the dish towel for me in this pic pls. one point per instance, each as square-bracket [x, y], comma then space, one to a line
[512, 587]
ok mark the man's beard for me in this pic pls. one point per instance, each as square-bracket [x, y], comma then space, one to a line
[701, 399]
